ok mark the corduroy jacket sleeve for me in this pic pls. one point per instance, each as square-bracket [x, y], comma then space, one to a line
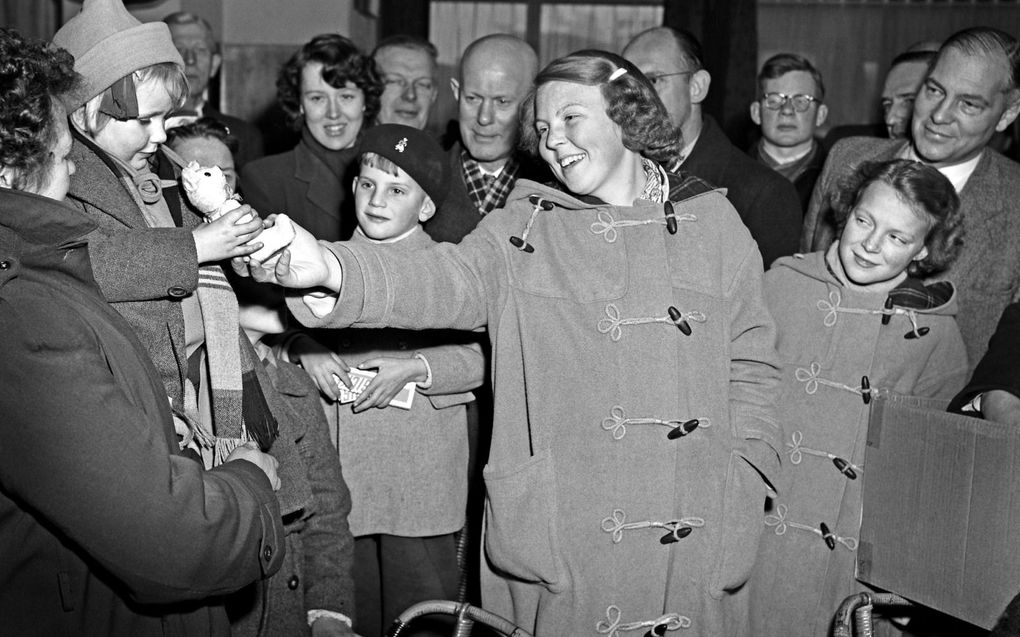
[326, 536]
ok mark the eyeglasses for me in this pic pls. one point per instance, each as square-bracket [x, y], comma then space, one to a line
[776, 101]
[655, 77]
[424, 85]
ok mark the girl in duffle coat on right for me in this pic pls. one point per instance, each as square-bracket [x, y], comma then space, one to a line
[853, 323]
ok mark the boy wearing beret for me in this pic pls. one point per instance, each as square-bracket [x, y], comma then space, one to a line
[406, 468]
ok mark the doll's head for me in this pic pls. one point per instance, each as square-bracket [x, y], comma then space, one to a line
[207, 142]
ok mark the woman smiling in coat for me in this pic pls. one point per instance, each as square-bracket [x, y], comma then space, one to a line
[633, 366]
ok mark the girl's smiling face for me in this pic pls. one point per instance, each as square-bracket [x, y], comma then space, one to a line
[882, 236]
[134, 141]
[583, 147]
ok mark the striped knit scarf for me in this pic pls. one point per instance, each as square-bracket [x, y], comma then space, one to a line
[239, 409]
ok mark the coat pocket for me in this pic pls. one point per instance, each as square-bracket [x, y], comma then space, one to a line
[520, 522]
[743, 518]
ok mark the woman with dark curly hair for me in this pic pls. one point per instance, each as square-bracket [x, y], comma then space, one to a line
[106, 528]
[329, 91]
[854, 322]
[633, 366]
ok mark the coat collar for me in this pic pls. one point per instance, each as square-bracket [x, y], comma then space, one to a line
[934, 298]
[324, 189]
[41, 220]
[98, 182]
[42, 234]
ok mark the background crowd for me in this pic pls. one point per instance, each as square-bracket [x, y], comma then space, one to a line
[568, 361]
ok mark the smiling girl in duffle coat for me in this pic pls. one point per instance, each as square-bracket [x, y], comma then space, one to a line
[634, 368]
[853, 323]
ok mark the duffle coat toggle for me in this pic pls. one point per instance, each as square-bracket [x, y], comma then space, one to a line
[796, 449]
[832, 308]
[606, 224]
[779, 521]
[613, 323]
[678, 529]
[613, 625]
[521, 242]
[617, 422]
[811, 378]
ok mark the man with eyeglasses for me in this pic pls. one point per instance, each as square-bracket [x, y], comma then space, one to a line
[970, 91]
[193, 37]
[789, 110]
[766, 202]
[407, 67]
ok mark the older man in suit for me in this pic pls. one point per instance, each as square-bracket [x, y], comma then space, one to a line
[766, 202]
[197, 44]
[496, 72]
[970, 92]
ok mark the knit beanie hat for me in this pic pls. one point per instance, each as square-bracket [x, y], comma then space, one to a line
[414, 151]
[108, 43]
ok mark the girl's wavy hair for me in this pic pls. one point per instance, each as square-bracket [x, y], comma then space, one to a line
[342, 62]
[928, 193]
[33, 77]
[631, 102]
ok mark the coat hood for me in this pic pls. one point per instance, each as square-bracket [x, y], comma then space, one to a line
[911, 296]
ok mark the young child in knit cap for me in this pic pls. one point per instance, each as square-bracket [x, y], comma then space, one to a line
[313, 587]
[854, 322]
[407, 468]
[154, 258]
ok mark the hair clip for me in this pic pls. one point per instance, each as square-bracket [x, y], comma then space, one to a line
[617, 74]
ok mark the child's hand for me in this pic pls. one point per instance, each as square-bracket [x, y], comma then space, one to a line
[321, 364]
[393, 374]
[225, 238]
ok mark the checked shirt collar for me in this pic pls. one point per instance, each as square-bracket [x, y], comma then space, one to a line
[488, 197]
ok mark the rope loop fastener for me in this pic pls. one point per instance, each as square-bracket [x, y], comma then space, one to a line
[796, 449]
[832, 308]
[811, 377]
[613, 323]
[617, 422]
[539, 204]
[613, 624]
[678, 529]
[779, 521]
[606, 225]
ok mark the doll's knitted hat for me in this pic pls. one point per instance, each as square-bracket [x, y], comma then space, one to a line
[416, 152]
[108, 43]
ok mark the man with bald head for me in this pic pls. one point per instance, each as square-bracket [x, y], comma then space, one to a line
[766, 202]
[495, 74]
[970, 91]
